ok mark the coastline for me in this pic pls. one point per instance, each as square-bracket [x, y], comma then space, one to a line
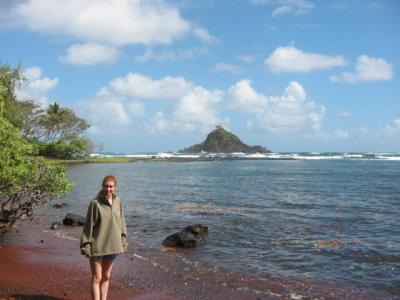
[155, 159]
[38, 263]
[208, 157]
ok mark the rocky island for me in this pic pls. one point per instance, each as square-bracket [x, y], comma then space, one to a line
[222, 141]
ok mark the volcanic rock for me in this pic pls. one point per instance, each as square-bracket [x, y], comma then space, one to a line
[223, 141]
[189, 237]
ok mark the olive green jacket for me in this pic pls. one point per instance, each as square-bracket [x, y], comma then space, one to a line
[104, 231]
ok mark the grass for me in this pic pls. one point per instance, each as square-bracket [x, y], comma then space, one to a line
[92, 160]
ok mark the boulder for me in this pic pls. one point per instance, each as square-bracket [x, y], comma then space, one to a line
[60, 205]
[189, 237]
[73, 220]
[56, 225]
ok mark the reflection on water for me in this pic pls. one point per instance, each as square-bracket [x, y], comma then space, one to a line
[330, 220]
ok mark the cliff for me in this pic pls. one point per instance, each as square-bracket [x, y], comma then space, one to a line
[223, 141]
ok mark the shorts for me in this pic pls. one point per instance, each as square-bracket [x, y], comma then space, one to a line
[105, 257]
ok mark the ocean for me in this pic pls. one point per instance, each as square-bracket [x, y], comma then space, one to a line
[331, 217]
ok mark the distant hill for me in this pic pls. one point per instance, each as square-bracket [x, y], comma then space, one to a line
[223, 141]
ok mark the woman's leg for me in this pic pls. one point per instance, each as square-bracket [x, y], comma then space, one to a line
[96, 268]
[107, 265]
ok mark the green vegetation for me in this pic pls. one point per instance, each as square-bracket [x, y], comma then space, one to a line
[93, 160]
[28, 180]
[25, 181]
[56, 131]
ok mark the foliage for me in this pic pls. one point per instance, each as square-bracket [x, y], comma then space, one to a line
[77, 147]
[9, 79]
[55, 131]
[94, 160]
[25, 181]
[60, 124]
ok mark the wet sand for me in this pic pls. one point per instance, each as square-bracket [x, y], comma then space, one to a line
[38, 263]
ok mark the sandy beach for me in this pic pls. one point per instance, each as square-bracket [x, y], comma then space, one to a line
[39, 263]
[45, 264]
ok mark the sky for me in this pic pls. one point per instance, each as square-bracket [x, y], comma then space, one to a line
[155, 76]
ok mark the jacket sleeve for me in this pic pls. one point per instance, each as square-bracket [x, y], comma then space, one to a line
[123, 229]
[86, 237]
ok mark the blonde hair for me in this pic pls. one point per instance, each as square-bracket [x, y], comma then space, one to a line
[105, 179]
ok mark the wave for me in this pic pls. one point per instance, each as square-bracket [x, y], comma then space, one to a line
[389, 156]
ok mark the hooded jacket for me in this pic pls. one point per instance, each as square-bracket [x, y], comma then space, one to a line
[104, 231]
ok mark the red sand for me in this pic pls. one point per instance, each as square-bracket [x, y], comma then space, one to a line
[49, 267]
[45, 264]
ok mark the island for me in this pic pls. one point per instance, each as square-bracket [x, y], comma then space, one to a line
[222, 141]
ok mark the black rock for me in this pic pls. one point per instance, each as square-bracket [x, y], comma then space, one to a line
[60, 205]
[73, 220]
[56, 225]
[189, 237]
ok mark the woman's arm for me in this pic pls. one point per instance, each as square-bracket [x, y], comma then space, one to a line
[86, 237]
[123, 228]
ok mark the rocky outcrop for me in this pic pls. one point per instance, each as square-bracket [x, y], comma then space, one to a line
[73, 220]
[223, 141]
[189, 237]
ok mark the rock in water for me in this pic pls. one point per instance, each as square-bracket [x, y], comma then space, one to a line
[60, 205]
[73, 220]
[223, 141]
[189, 237]
[56, 225]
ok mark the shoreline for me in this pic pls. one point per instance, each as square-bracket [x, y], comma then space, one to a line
[155, 159]
[36, 261]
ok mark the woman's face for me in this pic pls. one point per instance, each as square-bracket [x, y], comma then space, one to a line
[109, 188]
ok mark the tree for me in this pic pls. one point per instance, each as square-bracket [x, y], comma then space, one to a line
[55, 132]
[78, 147]
[22, 114]
[9, 80]
[26, 182]
[60, 124]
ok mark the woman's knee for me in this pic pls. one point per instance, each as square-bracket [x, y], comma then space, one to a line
[106, 276]
[97, 278]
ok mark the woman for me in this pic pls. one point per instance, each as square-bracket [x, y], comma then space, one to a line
[103, 236]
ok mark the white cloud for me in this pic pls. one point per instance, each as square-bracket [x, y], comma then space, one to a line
[367, 69]
[361, 131]
[117, 22]
[197, 109]
[291, 59]
[290, 112]
[32, 73]
[171, 55]
[100, 24]
[247, 58]
[135, 85]
[136, 108]
[283, 7]
[392, 130]
[282, 10]
[36, 87]
[204, 35]
[89, 54]
[225, 67]
[341, 134]
[184, 106]
[174, 104]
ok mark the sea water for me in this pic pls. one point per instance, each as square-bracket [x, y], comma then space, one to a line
[330, 219]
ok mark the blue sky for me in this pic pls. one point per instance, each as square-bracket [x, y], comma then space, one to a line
[290, 75]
